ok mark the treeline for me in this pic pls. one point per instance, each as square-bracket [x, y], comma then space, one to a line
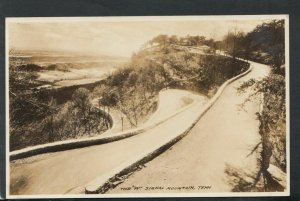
[264, 44]
[165, 40]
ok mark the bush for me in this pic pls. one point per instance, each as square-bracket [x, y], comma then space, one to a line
[272, 119]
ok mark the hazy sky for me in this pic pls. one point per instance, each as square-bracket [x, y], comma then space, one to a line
[113, 37]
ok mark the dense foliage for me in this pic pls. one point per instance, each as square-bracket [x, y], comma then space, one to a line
[165, 41]
[272, 117]
[36, 118]
[264, 44]
[268, 39]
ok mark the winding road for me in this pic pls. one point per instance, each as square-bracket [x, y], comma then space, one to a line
[70, 171]
[225, 134]
[213, 157]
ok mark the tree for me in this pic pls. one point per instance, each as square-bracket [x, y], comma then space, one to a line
[264, 44]
[29, 108]
[160, 40]
[49, 120]
[132, 79]
[200, 40]
[173, 40]
[81, 101]
[233, 43]
[269, 38]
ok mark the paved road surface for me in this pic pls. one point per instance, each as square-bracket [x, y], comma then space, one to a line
[62, 172]
[171, 100]
[217, 137]
[213, 154]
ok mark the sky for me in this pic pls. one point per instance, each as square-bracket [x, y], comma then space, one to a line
[114, 36]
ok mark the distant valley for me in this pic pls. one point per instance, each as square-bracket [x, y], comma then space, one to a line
[58, 69]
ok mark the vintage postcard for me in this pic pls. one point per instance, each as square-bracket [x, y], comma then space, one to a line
[176, 106]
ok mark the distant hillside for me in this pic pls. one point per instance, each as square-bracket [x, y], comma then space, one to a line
[59, 67]
[52, 56]
[30, 67]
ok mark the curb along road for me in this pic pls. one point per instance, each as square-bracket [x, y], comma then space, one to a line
[97, 140]
[80, 143]
[102, 183]
[106, 161]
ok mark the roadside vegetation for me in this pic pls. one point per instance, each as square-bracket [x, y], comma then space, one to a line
[41, 115]
[36, 118]
[165, 62]
[266, 45]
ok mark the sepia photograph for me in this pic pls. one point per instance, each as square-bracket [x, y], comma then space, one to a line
[156, 106]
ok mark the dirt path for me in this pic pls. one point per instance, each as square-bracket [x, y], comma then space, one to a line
[212, 157]
[62, 172]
